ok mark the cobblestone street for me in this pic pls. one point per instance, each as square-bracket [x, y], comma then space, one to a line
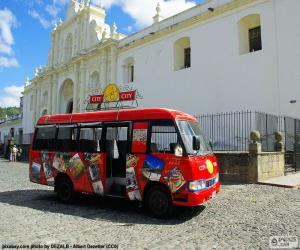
[241, 217]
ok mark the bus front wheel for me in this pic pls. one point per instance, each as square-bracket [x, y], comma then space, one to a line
[64, 189]
[159, 202]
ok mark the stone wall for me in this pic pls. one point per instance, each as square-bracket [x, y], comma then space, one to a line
[270, 165]
[245, 167]
[233, 166]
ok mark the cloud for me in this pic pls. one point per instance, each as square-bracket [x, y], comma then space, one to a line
[8, 101]
[128, 29]
[43, 21]
[7, 62]
[12, 96]
[7, 22]
[52, 10]
[60, 2]
[14, 90]
[142, 11]
[5, 49]
[46, 13]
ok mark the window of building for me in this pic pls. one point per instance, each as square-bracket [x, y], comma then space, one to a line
[45, 98]
[255, 39]
[163, 136]
[129, 70]
[131, 73]
[187, 57]
[249, 29]
[12, 133]
[69, 47]
[182, 53]
[95, 80]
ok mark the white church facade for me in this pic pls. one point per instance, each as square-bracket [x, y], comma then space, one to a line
[222, 55]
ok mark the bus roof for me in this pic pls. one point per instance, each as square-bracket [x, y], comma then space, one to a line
[116, 115]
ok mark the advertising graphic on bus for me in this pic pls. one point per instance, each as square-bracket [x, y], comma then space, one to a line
[157, 156]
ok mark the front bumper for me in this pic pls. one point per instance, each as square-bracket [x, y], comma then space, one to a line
[198, 198]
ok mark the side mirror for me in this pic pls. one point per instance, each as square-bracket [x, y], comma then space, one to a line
[210, 144]
[196, 143]
[178, 150]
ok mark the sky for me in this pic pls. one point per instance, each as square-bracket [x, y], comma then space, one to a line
[26, 25]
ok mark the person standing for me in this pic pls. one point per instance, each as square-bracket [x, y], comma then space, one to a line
[14, 153]
[19, 153]
[10, 153]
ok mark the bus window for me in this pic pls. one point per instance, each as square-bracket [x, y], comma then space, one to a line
[163, 137]
[45, 138]
[90, 139]
[66, 139]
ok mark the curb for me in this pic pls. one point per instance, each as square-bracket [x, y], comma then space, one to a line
[296, 186]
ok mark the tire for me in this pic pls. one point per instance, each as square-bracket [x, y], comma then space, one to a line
[159, 202]
[64, 189]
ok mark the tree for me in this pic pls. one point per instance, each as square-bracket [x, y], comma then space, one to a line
[9, 111]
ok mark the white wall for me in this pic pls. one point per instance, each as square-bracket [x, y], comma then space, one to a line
[5, 128]
[220, 79]
[288, 37]
[29, 115]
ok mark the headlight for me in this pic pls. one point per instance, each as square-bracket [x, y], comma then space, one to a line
[197, 185]
[217, 178]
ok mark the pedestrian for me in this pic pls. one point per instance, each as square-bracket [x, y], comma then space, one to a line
[14, 153]
[10, 153]
[19, 153]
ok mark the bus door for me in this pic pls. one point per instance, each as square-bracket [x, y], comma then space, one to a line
[116, 147]
[90, 144]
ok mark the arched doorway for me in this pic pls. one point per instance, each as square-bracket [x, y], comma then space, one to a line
[66, 97]
[70, 107]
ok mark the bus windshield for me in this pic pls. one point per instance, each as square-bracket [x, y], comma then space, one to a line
[189, 129]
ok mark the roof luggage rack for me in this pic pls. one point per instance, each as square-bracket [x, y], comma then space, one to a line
[117, 105]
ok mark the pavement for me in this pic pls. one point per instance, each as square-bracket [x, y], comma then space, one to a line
[287, 181]
[240, 217]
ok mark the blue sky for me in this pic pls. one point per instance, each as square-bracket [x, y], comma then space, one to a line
[25, 27]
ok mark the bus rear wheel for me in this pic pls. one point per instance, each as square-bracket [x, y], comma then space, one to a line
[64, 189]
[159, 202]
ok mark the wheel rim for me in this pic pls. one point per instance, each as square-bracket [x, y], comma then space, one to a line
[65, 191]
[159, 203]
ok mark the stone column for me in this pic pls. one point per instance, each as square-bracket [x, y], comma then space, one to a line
[279, 144]
[254, 156]
[104, 69]
[76, 88]
[35, 103]
[124, 74]
[38, 97]
[113, 65]
[49, 104]
[82, 77]
[54, 94]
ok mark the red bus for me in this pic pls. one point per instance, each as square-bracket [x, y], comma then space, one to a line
[154, 155]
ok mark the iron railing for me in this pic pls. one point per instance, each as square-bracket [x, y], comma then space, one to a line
[231, 131]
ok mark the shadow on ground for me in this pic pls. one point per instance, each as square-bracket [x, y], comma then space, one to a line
[95, 208]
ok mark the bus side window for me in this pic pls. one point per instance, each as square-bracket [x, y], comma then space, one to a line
[67, 139]
[45, 138]
[163, 136]
[90, 139]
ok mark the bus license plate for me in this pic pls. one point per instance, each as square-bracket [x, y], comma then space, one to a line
[213, 195]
